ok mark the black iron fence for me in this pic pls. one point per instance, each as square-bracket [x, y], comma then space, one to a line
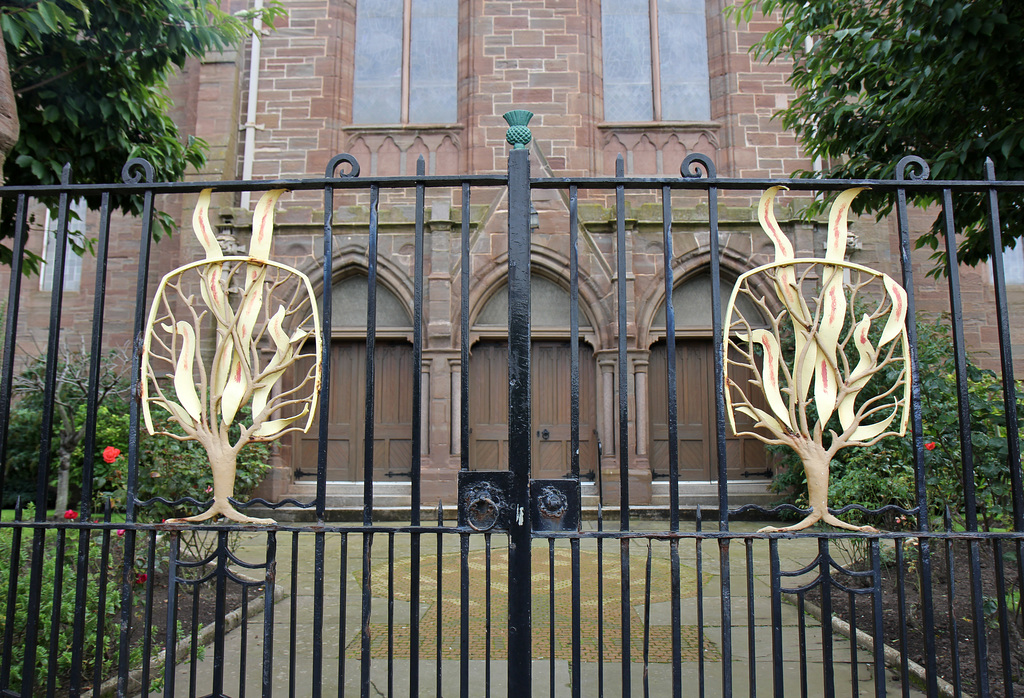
[515, 589]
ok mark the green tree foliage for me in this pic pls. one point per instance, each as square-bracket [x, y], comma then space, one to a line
[886, 78]
[90, 81]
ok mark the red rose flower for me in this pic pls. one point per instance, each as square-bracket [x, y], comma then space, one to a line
[930, 445]
[141, 577]
[70, 514]
[110, 454]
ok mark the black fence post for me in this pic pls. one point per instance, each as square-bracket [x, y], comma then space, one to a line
[519, 568]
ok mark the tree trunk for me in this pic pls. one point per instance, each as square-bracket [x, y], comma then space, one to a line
[9, 126]
[63, 480]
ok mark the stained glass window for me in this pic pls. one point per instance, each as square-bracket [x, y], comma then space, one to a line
[400, 79]
[655, 78]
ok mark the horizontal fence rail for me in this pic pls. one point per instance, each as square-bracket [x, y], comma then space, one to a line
[515, 582]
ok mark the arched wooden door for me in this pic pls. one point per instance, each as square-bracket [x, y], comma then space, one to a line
[392, 418]
[550, 374]
[695, 379]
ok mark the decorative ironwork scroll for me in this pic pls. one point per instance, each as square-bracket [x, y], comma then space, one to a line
[206, 358]
[860, 377]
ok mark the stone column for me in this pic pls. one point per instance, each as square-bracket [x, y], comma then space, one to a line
[639, 465]
[606, 363]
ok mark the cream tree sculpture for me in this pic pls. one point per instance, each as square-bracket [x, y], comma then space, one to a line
[826, 334]
[205, 358]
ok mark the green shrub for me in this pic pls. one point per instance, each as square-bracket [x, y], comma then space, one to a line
[92, 611]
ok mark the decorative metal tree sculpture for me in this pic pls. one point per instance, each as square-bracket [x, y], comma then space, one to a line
[261, 315]
[819, 353]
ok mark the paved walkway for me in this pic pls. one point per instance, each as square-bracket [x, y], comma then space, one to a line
[440, 617]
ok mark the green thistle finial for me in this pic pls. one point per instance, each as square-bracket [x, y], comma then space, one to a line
[518, 134]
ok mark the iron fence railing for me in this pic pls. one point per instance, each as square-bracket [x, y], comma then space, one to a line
[486, 600]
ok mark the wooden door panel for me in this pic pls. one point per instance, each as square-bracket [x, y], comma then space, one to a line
[696, 424]
[551, 408]
[393, 376]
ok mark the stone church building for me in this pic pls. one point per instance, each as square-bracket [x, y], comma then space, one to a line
[393, 81]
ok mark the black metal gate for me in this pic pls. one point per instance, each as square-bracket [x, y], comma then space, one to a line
[522, 594]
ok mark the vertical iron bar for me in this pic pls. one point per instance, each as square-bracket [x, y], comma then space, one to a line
[577, 671]
[625, 611]
[670, 351]
[220, 605]
[342, 614]
[778, 687]
[143, 169]
[677, 622]
[752, 665]
[623, 329]
[89, 450]
[1006, 361]
[647, 622]
[243, 648]
[11, 336]
[318, 611]
[954, 635]
[854, 665]
[270, 580]
[901, 602]
[966, 447]
[802, 634]
[371, 358]
[551, 617]
[520, 669]
[440, 593]
[13, 575]
[417, 390]
[464, 333]
[293, 626]
[464, 616]
[193, 664]
[487, 615]
[574, 334]
[391, 614]
[364, 658]
[45, 432]
[171, 637]
[326, 311]
[417, 346]
[1004, 620]
[600, 605]
[147, 623]
[879, 644]
[927, 612]
[622, 334]
[827, 659]
[1005, 354]
[698, 544]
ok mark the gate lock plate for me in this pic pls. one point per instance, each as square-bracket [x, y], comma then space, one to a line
[484, 502]
[555, 505]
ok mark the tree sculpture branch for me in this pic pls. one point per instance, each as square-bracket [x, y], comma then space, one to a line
[823, 328]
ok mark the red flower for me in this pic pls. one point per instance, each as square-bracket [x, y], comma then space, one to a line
[120, 532]
[930, 445]
[70, 514]
[110, 454]
[141, 577]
